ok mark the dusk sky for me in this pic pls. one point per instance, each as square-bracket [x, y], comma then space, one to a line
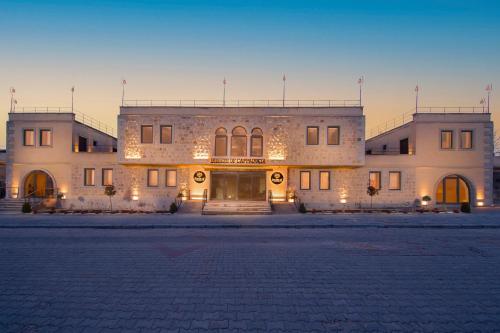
[184, 49]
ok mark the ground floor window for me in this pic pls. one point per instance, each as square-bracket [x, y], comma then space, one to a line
[89, 177]
[153, 177]
[171, 178]
[305, 180]
[324, 180]
[452, 190]
[107, 177]
[38, 184]
[394, 180]
[375, 179]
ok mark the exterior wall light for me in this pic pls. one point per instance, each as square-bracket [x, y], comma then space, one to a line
[425, 200]
[480, 203]
[343, 201]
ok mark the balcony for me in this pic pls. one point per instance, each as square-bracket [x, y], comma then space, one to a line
[94, 149]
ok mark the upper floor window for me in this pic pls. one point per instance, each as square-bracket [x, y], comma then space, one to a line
[166, 134]
[446, 139]
[221, 142]
[45, 137]
[89, 177]
[82, 144]
[107, 177]
[466, 139]
[147, 134]
[153, 175]
[239, 142]
[256, 142]
[375, 179]
[394, 180]
[312, 135]
[333, 135]
[29, 137]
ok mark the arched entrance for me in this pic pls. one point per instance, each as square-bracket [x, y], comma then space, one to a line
[38, 184]
[453, 189]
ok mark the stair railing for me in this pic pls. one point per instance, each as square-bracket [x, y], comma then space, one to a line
[204, 200]
[270, 199]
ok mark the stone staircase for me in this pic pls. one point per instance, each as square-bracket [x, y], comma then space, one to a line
[9, 206]
[284, 208]
[190, 207]
[237, 208]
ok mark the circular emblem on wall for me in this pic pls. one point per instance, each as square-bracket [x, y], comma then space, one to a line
[277, 178]
[199, 176]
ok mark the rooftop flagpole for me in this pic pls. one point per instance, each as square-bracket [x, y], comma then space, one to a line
[224, 82]
[416, 98]
[124, 82]
[284, 89]
[489, 88]
[361, 80]
[12, 92]
[72, 99]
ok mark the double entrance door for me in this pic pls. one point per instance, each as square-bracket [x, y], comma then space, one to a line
[238, 185]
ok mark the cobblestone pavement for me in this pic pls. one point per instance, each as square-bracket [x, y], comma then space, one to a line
[249, 280]
[487, 217]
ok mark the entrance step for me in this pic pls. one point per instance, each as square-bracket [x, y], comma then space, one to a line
[284, 208]
[11, 205]
[237, 208]
[190, 206]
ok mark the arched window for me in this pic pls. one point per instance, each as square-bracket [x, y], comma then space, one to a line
[220, 142]
[239, 142]
[38, 184]
[452, 190]
[256, 143]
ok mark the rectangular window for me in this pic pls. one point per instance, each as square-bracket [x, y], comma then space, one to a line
[82, 144]
[333, 135]
[89, 177]
[45, 137]
[153, 177]
[446, 139]
[107, 177]
[375, 177]
[305, 180]
[466, 139]
[29, 137]
[147, 134]
[166, 134]
[171, 178]
[324, 180]
[312, 135]
[394, 180]
[220, 145]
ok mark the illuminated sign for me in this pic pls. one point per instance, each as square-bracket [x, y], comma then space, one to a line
[199, 176]
[241, 160]
[277, 178]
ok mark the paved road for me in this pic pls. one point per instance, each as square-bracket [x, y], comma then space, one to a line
[273, 280]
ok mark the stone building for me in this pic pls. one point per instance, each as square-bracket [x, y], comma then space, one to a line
[249, 155]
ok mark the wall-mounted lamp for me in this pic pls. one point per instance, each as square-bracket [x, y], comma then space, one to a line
[480, 203]
[343, 201]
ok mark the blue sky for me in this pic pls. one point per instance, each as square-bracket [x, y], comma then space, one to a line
[183, 49]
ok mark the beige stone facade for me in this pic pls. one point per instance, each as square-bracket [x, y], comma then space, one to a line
[344, 162]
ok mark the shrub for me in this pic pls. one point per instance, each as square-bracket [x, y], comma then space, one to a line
[26, 207]
[173, 208]
[465, 207]
[302, 208]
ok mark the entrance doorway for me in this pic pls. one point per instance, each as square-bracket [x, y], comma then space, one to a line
[248, 186]
[38, 184]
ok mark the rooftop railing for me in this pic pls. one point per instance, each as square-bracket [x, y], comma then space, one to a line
[242, 103]
[78, 116]
[408, 116]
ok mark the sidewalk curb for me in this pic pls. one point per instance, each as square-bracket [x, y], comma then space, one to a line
[255, 226]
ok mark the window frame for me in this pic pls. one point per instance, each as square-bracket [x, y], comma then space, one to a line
[307, 136]
[379, 179]
[300, 180]
[257, 136]
[24, 137]
[152, 134]
[471, 139]
[85, 179]
[338, 136]
[102, 176]
[166, 177]
[399, 181]
[157, 180]
[442, 183]
[441, 138]
[239, 136]
[224, 136]
[171, 134]
[329, 180]
[45, 129]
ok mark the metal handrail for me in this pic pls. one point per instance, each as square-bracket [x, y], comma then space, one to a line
[204, 200]
[95, 149]
[241, 103]
[270, 199]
